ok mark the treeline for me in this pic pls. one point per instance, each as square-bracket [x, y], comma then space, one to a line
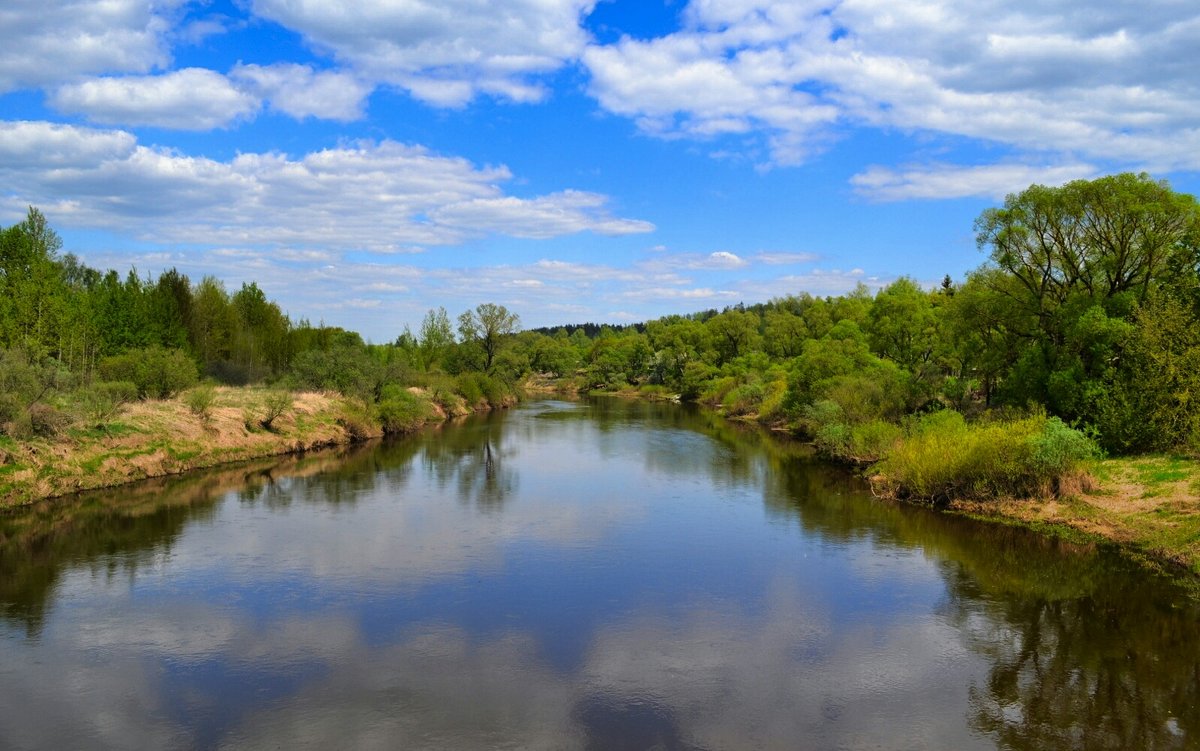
[1085, 316]
[1081, 327]
[76, 343]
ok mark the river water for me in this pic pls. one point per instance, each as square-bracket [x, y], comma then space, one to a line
[573, 575]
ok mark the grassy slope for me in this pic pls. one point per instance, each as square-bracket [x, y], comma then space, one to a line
[1150, 504]
[150, 439]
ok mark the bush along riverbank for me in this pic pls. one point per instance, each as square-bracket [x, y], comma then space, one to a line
[1027, 469]
[212, 425]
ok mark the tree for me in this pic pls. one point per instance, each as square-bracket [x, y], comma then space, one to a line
[784, 333]
[436, 337]
[902, 324]
[261, 341]
[1099, 238]
[213, 322]
[32, 291]
[487, 326]
[734, 333]
[1072, 265]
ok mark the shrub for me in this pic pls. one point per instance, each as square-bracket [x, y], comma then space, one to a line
[158, 373]
[771, 408]
[1059, 449]
[743, 400]
[349, 370]
[441, 389]
[497, 392]
[401, 411]
[468, 386]
[943, 457]
[39, 420]
[715, 390]
[356, 421]
[101, 400]
[11, 408]
[871, 441]
[200, 400]
[275, 405]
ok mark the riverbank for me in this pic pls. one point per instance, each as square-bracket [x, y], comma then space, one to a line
[1149, 505]
[159, 438]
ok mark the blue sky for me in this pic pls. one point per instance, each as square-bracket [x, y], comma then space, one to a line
[573, 160]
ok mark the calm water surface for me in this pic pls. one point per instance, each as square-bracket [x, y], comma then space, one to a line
[572, 575]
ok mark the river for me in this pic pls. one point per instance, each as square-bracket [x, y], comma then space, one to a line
[573, 575]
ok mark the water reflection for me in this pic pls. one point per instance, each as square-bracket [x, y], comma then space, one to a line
[567, 575]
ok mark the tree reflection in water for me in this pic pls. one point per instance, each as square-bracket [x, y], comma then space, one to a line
[1084, 649]
[470, 456]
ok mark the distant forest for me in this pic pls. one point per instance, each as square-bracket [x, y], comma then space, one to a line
[1086, 309]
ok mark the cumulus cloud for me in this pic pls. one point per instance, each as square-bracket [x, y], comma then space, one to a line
[443, 51]
[45, 42]
[380, 197]
[1105, 83]
[545, 216]
[299, 91]
[187, 99]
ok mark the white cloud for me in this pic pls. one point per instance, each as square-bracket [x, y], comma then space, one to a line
[187, 99]
[443, 51]
[785, 259]
[545, 216]
[45, 42]
[673, 293]
[380, 197]
[299, 91]
[954, 181]
[1097, 83]
[721, 260]
[29, 148]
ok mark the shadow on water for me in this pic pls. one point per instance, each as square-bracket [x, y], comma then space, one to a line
[629, 724]
[1087, 649]
[1083, 648]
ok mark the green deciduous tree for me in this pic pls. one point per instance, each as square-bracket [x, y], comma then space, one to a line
[436, 337]
[487, 326]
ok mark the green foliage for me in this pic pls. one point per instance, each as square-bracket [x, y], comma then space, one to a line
[200, 399]
[694, 380]
[733, 334]
[943, 457]
[26, 388]
[401, 411]
[158, 373]
[356, 419]
[436, 337]
[344, 368]
[39, 420]
[488, 326]
[275, 404]
[469, 387]
[99, 402]
[743, 399]
[1152, 402]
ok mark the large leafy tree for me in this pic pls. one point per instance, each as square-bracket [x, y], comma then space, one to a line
[32, 292]
[1099, 239]
[1070, 266]
[487, 326]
